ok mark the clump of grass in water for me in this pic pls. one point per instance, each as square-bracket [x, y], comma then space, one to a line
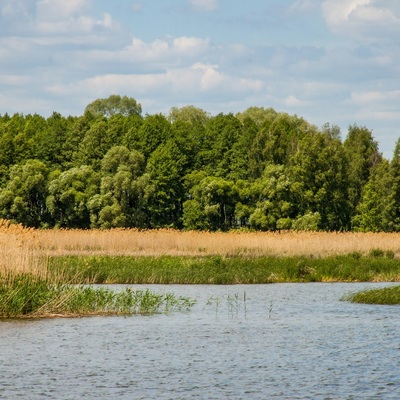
[26, 295]
[234, 304]
[383, 296]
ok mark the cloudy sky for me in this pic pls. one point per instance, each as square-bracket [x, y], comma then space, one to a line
[335, 61]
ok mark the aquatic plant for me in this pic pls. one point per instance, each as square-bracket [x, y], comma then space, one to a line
[26, 295]
[234, 303]
[388, 295]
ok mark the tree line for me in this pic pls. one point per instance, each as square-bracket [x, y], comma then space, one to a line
[259, 169]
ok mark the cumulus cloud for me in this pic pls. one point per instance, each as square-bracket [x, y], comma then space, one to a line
[375, 97]
[293, 101]
[193, 79]
[362, 19]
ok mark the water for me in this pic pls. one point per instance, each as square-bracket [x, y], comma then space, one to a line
[284, 341]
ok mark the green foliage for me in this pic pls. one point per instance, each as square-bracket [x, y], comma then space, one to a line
[26, 295]
[258, 169]
[69, 195]
[274, 207]
[385, 296]
[307, 222]
[362, 154]
[114, 105]
[224, 270]
[24, 197]
[189, 114]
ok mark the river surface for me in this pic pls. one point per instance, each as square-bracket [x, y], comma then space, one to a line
[283, 341]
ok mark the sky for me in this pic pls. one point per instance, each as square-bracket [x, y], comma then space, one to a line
[328, 61]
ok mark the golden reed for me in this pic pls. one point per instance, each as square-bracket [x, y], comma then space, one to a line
[18, 251]
[171, 242]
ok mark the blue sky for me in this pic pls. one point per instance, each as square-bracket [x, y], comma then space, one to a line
[335, 61]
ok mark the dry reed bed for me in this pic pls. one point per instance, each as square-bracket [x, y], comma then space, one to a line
[18, 251]
[171, 242]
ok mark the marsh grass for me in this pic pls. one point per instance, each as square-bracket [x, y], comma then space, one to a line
[224, 270]
[27, 295]
[383, 296]
[28, 288]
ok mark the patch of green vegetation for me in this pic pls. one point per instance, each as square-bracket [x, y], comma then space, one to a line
[388, 296]
[224, 270]
[27, 295]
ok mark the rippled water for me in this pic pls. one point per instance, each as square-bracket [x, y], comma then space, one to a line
[285, 341]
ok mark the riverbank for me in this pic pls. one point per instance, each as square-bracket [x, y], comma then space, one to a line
[65, 257]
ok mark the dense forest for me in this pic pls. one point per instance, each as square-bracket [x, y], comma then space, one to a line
[259, 169]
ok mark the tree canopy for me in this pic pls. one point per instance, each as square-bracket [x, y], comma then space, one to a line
[259, 169]
[113, 105]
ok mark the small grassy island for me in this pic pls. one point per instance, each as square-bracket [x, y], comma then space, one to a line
[47, 273]
[383, 296]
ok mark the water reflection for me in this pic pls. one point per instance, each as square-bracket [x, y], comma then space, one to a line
[286, 341]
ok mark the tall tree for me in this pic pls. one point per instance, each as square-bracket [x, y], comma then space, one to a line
[24, 197]
[113, 105]
[374, 210]
[362, 155]
[166, 167]
[69, 195]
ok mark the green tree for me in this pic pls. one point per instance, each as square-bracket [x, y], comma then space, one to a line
[154, 131]
[69, 194]
[319, 175]
[369, 213]
[277, 141]
[113, 105]
[215, 199]
[274, 208]
[362, 155]
[189, 114]
[99, 138]
[222, 132]
[257, 114]
[166, 167]
[50, 140]
[120, 202]
[23, 198]
[391, 211]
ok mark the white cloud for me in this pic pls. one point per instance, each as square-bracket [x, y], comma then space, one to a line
[159, 53]
[337, 12]
[188, 82]
[293, 101]
[205, 5]
[362, 19]
[374, 97]
[60, 9]
[15, 80]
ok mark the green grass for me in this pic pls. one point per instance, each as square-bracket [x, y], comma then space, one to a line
[388, 296]
[27, 295]
[225, 270]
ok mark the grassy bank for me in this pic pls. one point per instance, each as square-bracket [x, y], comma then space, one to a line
[378, 266]
[38, 267]
[383, 296]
